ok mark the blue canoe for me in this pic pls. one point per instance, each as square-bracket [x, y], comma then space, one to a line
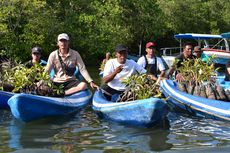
[27, 107]
[4, 96]
[145, 113]
[195, 105]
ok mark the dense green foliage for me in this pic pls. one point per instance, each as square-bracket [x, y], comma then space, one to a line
[139, 86]
[195, 70]
[18, 78]
[199, 79]
[96, 26]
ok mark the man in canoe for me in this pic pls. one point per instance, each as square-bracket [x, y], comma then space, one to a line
[36, 58]
[185, 55]
[117, 69]
[151, 62]
[64, 62]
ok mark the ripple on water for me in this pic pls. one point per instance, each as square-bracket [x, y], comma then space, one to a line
[191, 132]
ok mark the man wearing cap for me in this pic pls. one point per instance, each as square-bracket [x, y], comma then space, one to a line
[152, 63]
[36, 58]
[117, 69]
[64, 62]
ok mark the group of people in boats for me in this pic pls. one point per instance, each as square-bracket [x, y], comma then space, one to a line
[64, 61]
[120, 67]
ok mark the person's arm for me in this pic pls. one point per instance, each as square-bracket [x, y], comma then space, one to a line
[162, 74]
[110, 77]
[84, 72]
[139, 68]
[161, 67]
[83, 69]
[141, 62]
[50, 64]
[228, 67]
[104, 61]
[173, 67]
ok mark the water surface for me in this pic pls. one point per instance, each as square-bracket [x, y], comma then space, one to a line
[85, 132]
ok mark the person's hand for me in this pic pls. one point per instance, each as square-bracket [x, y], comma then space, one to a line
[119, 69]
[94, 85]
[152, 77]
[179, 77]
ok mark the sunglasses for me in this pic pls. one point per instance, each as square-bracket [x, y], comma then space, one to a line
[36, 53]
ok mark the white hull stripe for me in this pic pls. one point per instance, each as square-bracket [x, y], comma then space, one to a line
[227, 112]
[111, 104]
[218, 54]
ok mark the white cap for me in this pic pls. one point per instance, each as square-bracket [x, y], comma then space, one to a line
[63, 36]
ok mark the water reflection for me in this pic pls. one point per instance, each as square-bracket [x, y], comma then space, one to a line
[36, 134]
[85, 132]
[112, 137]
[189, 132]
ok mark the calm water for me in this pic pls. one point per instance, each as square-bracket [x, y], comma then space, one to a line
[85, 132]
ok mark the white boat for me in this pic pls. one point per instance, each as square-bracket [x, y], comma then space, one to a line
[220, 49]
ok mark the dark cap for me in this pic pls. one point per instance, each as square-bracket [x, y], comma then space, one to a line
[120, 47]
[150, 44]
[36, 50]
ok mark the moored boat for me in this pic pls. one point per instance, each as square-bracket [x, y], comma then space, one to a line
[195, 105]
[28, 107]
[146, 113]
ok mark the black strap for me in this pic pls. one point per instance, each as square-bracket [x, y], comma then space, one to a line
[156, 64]
[63, 66]
[146, 62]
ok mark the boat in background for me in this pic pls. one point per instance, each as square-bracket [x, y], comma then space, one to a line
[220, 49]
[145, 113]
[28, 107]
[195, 105]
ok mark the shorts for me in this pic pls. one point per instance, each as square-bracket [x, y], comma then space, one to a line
[69, 84]
[109, 92]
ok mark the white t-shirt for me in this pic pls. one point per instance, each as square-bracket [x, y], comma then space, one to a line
[130, 68]
[160, 66]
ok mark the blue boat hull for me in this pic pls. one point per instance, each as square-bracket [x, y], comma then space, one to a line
[222, 82]
[101, 74]
[195, 105]
[27, 107]
[147, 112]
[4, 97]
